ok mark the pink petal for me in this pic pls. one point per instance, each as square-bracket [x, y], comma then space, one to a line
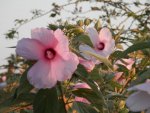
[41, 75]
[92, 32]
[138, 101]
[83, 100]
[105, 37]
[89, 65]
[118, 75]
[45, 36]
[63, 69]
[109, 48]
[30, 49]
[105, 34]
[63, 47]
[129, 62]
[81, 85]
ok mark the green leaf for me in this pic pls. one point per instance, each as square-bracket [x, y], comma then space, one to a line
[142, 77]
[100, 58]
[12, 104]
[83, 108]
[84, 39]
[135, 47]
[91, 96]
[24, 86]
[46, 101]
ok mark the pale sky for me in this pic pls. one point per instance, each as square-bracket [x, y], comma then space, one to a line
[20, 9]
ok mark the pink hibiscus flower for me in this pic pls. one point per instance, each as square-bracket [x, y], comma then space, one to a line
[89, 65]
[55, 61]
[103, 43]
[140, 100]
[80, 99]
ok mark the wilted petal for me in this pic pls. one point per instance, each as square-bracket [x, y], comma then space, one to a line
[138, 101]
[30, 49]
[89, 65]
[129, 62]
[80, 99]
[118, 75]
[93, 35]
[81, 85]
[63, 69]
[45, 36]
[41, 75]
[63, 47]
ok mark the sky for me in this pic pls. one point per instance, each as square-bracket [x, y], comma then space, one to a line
[21, 9]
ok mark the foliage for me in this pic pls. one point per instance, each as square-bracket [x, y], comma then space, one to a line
[106, 95]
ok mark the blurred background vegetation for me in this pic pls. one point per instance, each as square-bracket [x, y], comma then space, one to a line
[129, 21]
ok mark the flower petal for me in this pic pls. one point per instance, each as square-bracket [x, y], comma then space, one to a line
[30, 49]
[45, 36]
[41, 75]
[63, 47]
[89, 65]
[81, 85]
[105, 34]
[142, 87]
[138, 101]
[80, 99]
[83, 48]
[93, 35]
[63, 69]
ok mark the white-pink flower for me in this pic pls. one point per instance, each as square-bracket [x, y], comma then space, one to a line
[81, 99]
[55, 61]
[140, 100]
[103, 43]
[89, 65]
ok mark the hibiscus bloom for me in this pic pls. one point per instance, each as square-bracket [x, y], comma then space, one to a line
[118, 75]
[81, 99]
[140, 100]
[103, 43]
[55, 61]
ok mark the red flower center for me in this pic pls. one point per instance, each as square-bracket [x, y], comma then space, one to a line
[101, 46]
[50, 53]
